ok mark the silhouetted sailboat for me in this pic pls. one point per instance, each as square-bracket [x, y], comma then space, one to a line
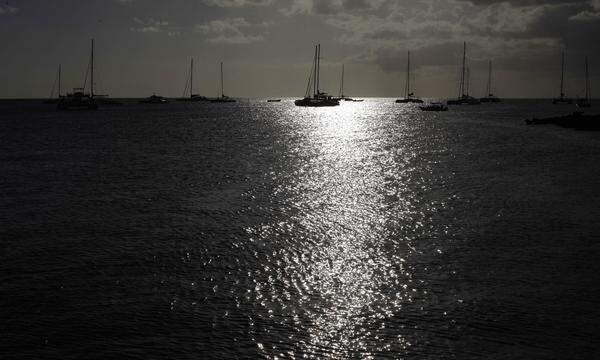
[154, 99]
[587, 101]
[342, 96]
[562, 99]
[52, 99]
[490, 98]
[463, 97]
[409, 96]
[100, 99]
[223, 98]
[78, 99]
[319, 98]
[190, 86]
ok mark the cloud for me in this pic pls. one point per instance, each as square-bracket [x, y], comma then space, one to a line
[7, 9]
[587, 15]
[150, 25]
[381, 31]
[330, 7]
[237, 3]
[232, 31]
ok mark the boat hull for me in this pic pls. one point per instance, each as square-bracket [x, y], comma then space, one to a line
[489, 100]
[409, 100]
[77, 104]
[222, 100]
[311, 102]
[193, 99]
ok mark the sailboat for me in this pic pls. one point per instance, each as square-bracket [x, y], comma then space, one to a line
[587, 101]
[409, 96]
[190, 86]
[101, 99]
[490, 97]
[223, 98]
[78, 99]
[562, 99]
[154, 99]
[342, 96]
[52, 99]
[463, 97]
[318, 98]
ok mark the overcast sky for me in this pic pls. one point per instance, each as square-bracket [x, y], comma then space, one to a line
[144, 46]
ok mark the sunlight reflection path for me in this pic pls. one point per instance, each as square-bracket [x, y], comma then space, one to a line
[342, 269]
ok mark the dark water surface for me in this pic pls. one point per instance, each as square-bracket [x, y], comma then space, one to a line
[191, 231]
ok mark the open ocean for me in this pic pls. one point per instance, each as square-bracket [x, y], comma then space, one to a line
[265, 230]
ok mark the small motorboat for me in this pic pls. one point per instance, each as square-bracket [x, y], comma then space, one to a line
[436, 106]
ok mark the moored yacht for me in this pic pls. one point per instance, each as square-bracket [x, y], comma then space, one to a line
[188, 92]
[587, 100]
[409, 96]
[464, 98]
[77, 100]
[490, 98]
[342, 96]
[562, 99]
[223, 98]
[318, 98]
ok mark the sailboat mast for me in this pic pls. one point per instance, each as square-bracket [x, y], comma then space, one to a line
[191, 78]
[59, 78]
[462, 78]
[342, 84]
[222, 92]
[407, 88]
[467, 81]
[562, 75]
[588, 95]
[92, 71]
[315, 73]
[318, 67]
[489, 87]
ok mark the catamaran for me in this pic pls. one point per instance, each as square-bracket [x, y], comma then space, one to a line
[223, 98]
[562, 99]
[318, 98]
[587, 101]
[490, 98]
[78, 99]
[189, 86]
[463, 97]
[409, 96]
